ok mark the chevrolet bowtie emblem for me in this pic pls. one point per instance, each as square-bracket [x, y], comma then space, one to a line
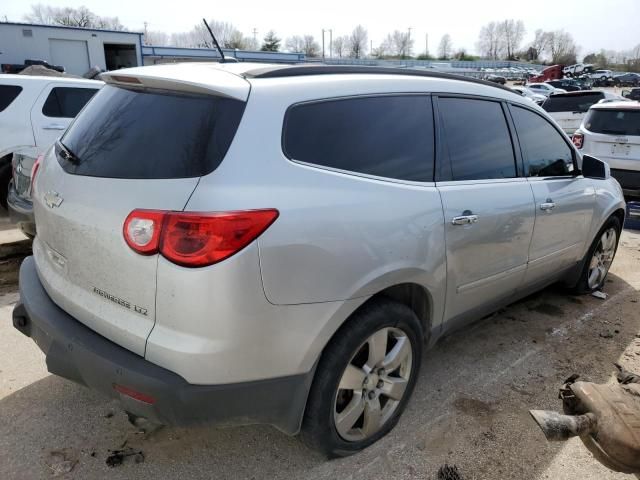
[53, 199]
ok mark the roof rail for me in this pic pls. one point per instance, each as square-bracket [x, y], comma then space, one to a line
[303, 70]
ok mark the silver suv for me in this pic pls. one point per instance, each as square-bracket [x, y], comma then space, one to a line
[240, 243]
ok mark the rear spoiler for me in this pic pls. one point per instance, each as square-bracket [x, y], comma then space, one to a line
[207, 79]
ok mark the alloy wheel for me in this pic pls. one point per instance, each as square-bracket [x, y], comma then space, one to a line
[602, 258]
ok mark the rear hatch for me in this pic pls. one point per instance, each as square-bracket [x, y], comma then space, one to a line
[569, 109]
[614, 136]
[132, 147]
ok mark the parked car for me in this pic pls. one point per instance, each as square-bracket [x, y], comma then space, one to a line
[285, 251]
[544, 89]
[577, 70]
[525, 92]
[34, 111]
[497, 79]
[627, 80]
[567, 84]
[602, 75]
[569, 109]
[612, 132]
[633, 94]
[17, 68]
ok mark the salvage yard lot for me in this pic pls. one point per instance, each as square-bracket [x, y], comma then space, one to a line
[470, 407]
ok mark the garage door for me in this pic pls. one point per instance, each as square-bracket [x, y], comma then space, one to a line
[73, 55]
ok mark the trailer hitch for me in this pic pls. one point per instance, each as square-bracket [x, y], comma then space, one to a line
[606, 417]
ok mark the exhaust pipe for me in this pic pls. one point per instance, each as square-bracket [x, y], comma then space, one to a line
[558, 428]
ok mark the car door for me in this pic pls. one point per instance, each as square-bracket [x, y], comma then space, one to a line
[564, 200]
[56, 107]
[488, 207]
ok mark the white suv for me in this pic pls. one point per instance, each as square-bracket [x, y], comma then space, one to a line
[611, 131]
[244, 243]
[34, 111]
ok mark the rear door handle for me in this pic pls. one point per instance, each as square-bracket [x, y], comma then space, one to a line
[464, 220]
[547, 206]
[54, 126]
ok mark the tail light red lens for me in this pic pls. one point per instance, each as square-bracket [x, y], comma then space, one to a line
[34, 171]
[194, 239]
[578, 140]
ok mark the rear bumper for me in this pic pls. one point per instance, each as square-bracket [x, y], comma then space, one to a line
[629, 180]
[21, 212]
[75, 352]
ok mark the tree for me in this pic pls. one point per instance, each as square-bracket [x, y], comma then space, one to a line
[357, 45]
[340, 46]
[510, 33]
[446, 47]
[303, 44]
[294, 44]
[561, 47]
[227, 34]
[71, 17]
[397, 44]
[539, 44]
[271, 42]
[157, 38]
[489, 44]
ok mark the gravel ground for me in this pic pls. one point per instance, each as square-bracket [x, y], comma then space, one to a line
[470, 407]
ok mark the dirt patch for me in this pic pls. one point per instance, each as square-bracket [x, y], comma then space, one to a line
[548, 309]
[11, 256]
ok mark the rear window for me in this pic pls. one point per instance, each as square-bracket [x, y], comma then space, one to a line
[613, 122]
[572, 103]
[8, 93]
[388, 136]
[126, 133]
[66, 102]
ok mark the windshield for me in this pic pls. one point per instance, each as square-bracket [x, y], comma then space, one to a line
[125, 133]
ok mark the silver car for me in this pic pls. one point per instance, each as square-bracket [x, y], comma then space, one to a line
[238, 243]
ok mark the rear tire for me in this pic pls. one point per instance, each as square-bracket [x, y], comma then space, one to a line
[599, 257]
[364, 379]
[5, 177]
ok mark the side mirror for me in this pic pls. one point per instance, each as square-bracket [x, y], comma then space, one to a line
[594, 168]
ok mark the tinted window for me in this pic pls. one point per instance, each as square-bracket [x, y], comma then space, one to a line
[66, 102]
[613, 122]
[572, 103]
[142, 134]
[390, 136]
[477, 138]
[8, 94]
[546, 153]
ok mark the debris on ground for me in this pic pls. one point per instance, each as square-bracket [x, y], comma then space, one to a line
[449, 472]
[606, 334]
[599, 294]
[117, 457]
[61, 463]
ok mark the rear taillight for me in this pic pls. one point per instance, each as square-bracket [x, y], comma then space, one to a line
[578, 140]
[194, 239]
[34, 171]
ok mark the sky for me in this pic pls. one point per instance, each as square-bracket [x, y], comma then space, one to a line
[594, 24]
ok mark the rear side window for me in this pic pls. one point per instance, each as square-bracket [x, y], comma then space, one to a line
[545, 152]
[477, 138]
[8, 93]
[127, 133]
[613, 122]
[388, 136]
[65, 102]
[572, 103]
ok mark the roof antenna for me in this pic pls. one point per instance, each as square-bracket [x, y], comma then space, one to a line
[223, 59]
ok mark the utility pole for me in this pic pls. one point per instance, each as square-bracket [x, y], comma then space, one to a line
[255, 38]
[323, 44]
[426, 45]
[371, 48]
[409, 41]
[330, 42]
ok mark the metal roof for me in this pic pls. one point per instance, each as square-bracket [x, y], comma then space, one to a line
[65, 27]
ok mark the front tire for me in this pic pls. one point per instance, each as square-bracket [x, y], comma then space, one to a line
[599, 257]
[364, 379]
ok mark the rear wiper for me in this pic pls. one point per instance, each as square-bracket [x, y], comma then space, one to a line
[67, 154]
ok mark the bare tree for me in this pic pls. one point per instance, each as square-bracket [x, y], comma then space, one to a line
[446, 47]
[358, 42]
[310, 47]
[340, 46]
[539, 44]
[489, 42]
[511, 32]
[397, 44]
[71, 17]
[561, 47]
[294, 43]
[157, 38]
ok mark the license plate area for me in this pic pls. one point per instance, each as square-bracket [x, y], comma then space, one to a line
[620, 149]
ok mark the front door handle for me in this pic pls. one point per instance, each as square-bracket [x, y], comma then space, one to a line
[464, 220]
[547, 206]
[54, 126]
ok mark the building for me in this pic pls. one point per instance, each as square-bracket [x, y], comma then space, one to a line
[76, 49]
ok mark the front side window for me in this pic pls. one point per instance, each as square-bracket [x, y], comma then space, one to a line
[66, 102]
[388, 136]
[477, 139]
[545, 152]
